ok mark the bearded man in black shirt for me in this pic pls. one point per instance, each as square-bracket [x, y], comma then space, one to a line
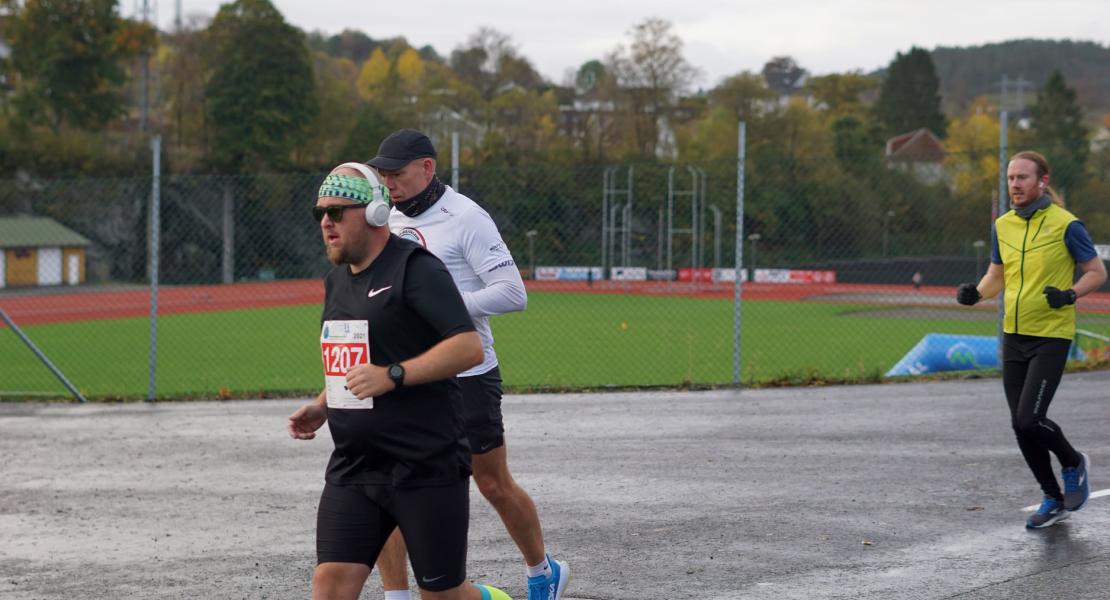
[394, 333]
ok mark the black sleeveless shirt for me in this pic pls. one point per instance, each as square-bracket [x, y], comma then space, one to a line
[414, 435]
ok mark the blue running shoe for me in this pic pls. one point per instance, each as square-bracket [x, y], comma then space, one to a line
[550, 588]
[1077, 489]
[1051, 512]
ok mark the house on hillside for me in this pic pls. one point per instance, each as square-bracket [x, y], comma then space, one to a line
[440, 123]
[582, 114]
[919, 153]
[38, 251]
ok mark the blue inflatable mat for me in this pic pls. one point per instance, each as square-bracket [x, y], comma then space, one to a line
[945, 352]
[938, 352]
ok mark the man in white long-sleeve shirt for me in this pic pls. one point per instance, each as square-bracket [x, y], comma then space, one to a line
[462, 235]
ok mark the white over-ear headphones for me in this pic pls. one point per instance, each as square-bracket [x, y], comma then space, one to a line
[377, 212]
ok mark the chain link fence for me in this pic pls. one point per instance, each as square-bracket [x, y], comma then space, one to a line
[629, 269]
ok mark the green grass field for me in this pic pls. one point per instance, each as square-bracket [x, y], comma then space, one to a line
[561, 341]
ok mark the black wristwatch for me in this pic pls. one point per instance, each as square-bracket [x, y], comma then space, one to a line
[397, 373]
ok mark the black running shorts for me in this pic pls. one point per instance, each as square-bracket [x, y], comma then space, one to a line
[482, 411]
[354, 521]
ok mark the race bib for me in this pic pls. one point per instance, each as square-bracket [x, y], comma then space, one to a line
[344, 344]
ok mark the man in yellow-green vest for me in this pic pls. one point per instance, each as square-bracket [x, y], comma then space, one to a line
[1035, 249]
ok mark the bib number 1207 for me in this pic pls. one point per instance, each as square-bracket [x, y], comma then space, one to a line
[344, 345]
[340, 358]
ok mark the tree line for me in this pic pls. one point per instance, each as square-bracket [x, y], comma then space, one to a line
[246, 92]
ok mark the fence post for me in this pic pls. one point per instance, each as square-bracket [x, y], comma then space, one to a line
[740, 158]
[228, 255]
[155, 230]
[1003, 206]
[455, 160]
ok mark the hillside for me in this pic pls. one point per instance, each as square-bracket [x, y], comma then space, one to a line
[967, 72]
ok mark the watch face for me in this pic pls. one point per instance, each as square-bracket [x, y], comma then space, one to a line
[396, 371]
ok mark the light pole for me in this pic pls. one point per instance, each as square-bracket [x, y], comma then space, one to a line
[979, 245]
[886, 227]
[531, 235]
[753, 238]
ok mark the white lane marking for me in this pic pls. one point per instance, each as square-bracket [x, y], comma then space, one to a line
[1097, 494]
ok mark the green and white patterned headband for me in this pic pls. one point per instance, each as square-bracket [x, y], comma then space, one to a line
[364, 190]
[347, 186]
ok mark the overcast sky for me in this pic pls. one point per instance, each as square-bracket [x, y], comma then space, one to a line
[721, 37]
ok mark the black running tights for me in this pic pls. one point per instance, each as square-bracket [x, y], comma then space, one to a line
[1031, 370]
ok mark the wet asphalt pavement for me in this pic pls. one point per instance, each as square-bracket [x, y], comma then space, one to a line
[890, 491]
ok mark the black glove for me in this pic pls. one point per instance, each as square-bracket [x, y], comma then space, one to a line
[968, 294]
[1057, 298]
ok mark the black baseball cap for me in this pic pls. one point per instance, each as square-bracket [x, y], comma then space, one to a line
[401, 148]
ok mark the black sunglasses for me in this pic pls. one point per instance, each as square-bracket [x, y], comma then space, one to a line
[334, 212]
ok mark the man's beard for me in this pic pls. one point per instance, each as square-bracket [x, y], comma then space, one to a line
[344, 255]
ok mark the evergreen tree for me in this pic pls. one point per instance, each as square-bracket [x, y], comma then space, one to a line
[1058, 132]
[260, 94]
[909, 98]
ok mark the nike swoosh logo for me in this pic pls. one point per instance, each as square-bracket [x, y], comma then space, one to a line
[431, 579]
[377, 291]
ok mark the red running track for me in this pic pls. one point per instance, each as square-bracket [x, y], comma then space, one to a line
[92, 303]
[97, 303]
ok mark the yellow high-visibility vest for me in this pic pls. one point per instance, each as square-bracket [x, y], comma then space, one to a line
[1035, 256]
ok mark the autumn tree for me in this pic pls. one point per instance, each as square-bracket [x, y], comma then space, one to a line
[490, 61]
[972, 151]
[712, 138]
[841, 92]
[374, 75]
[526, 125]
[743, 94]
[410, 68]
[67, 54]
[740, 97]
[183, 76]
[652, 73]
[335, 93]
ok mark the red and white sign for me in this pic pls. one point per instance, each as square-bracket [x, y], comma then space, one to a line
[793, 276]
[547, 273]
[343, 346]
[802, 276]
[702, 275]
